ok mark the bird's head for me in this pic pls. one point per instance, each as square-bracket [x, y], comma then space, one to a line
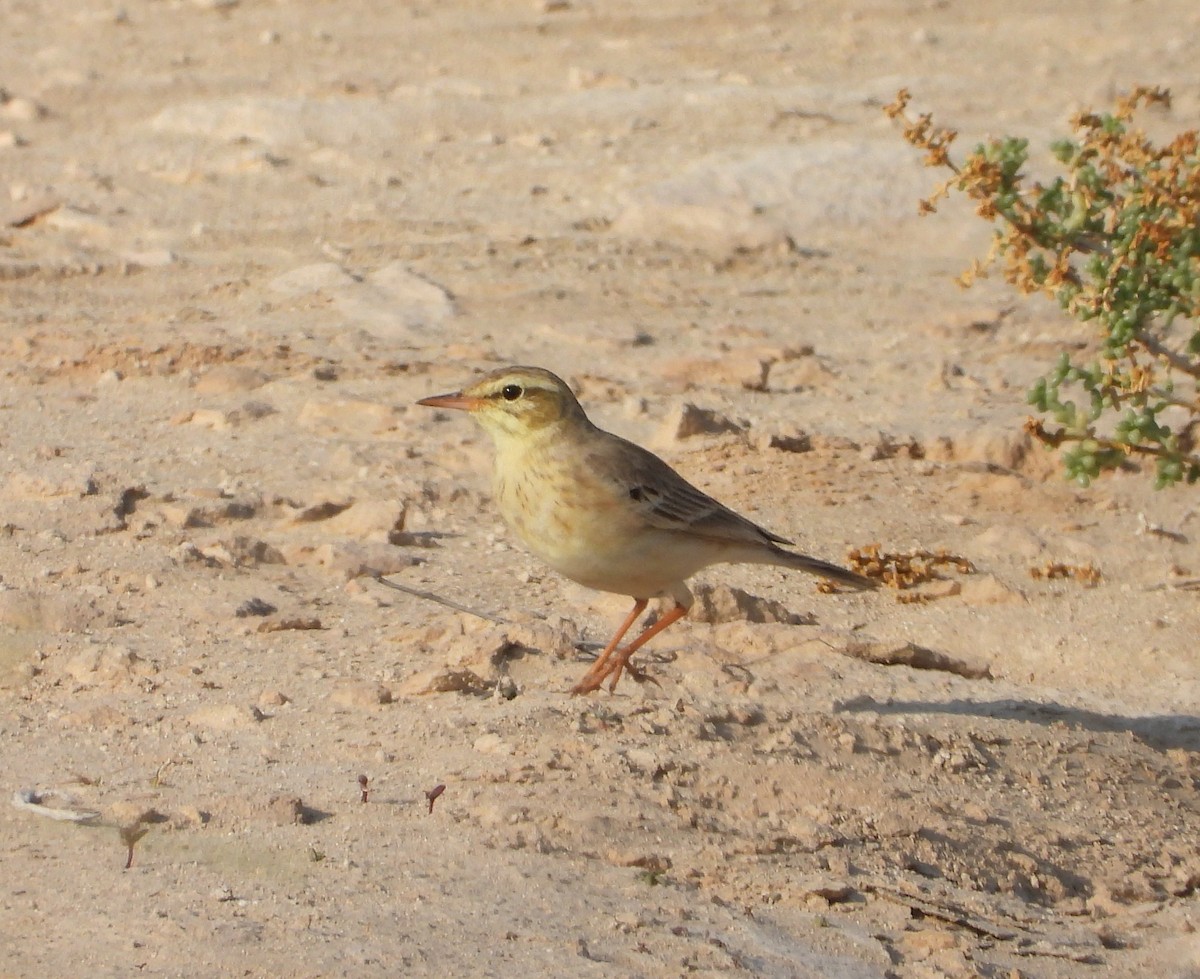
[515, 402]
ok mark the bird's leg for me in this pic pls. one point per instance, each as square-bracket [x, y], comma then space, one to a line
[621, 661]
[599, 669]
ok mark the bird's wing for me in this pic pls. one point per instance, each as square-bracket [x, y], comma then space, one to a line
[667, 501]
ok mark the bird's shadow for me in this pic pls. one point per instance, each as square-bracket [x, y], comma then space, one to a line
[1160, 731]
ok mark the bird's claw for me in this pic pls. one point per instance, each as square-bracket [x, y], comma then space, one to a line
[593, 680]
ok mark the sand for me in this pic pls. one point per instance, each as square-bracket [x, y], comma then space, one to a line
[241, 239]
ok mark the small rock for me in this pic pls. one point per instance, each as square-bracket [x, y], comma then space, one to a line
[187, 817]
[211, 419]
[442, 681]
[371, 520]
[243, 552]
[286, 810]
[785, 441]
[254, 606]
[989, 590]
[689, 420]
[933, 590]
[272, 698]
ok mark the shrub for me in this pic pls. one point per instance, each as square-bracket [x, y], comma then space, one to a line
[1115, 240]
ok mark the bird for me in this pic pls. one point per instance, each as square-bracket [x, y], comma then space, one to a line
[606, 512]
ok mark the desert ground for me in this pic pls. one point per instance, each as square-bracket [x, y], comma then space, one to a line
[240, 238]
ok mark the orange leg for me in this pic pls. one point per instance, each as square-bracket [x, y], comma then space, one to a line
[595, 676]
[602, 669]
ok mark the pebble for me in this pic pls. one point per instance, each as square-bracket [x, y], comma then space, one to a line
[254, 606]
[442, 680]
[987, 589]
[286, 810]
[380, 521]
[273, 698]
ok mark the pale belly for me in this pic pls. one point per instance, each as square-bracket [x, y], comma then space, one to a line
[601, 545]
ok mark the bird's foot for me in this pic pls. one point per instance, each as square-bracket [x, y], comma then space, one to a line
[595, 678]
[588, 684]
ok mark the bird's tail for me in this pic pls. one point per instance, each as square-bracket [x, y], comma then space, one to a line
[843, 576]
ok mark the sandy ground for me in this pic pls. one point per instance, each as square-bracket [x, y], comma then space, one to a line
[242, 238]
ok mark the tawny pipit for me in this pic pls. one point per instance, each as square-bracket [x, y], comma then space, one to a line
[605, 512]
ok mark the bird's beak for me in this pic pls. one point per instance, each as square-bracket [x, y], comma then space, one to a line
[456, 400]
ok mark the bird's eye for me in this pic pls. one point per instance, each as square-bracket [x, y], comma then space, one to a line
[510, 392]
